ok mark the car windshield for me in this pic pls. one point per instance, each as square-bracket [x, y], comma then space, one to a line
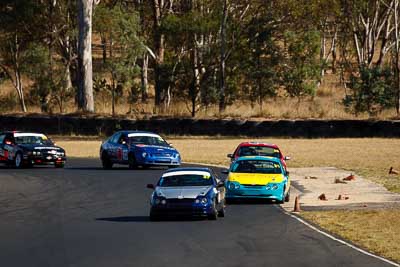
[259, 151]
[256, 166]
[148, 140]
[185, 180]
[32, 139]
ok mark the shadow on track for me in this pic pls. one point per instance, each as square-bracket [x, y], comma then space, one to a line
[252, 201]
[125, 219]
[147, 219]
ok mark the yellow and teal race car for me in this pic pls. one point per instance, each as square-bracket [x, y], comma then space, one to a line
[258, 177]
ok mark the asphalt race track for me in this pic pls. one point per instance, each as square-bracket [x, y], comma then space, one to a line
[85, 216]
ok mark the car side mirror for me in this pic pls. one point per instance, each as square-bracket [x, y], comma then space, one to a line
[287, 173]
[230, 156]
[224, 171]
[287, 158]
[150, 186]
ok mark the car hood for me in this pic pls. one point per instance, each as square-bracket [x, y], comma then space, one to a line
[183, 192]
[157, 149]
[40, 147]
[255, 178]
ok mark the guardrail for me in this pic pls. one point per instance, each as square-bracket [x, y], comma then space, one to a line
[71, 125]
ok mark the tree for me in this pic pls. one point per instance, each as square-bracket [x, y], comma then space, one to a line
[17, 19]
[85, 71]
[301, 69]
[121, 25]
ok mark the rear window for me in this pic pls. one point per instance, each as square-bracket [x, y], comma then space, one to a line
[186, 180]
[256, 166]
[259, 151]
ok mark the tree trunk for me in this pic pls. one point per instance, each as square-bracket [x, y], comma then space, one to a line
[224, 18]
[144, 77]
[17, 74]
[159, 47]
[85, 72]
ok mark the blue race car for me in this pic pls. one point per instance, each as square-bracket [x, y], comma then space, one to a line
[138, 148]
[188, 191]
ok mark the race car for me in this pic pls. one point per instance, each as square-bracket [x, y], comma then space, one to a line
[138, 148]
[258, 149]
[188, 191]
[258, 177]
[21, 149]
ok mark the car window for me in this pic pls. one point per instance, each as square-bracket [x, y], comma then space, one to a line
[32, 139]
[256, 166]
[259, 151]
[114, 139]
[148, 140]
[186, 180]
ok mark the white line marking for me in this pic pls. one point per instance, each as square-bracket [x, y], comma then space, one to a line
[339, 240]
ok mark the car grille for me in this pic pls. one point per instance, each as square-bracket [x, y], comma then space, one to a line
[177, 201]
[253, 186]
[161, 155]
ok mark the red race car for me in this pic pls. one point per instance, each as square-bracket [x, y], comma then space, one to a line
[258, 149]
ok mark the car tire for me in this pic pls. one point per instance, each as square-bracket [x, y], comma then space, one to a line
[18, 160]
[59, 165]
[221, 212]
[282, 200]
[132, 162]
[214, 215]
[153, 217]
[287, 197]
[106, 162]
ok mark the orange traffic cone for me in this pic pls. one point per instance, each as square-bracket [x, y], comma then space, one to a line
[322, 197]
[393, 171]
[351, 177]
[296, 204]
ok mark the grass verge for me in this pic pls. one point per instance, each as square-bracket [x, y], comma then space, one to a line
[374, 230]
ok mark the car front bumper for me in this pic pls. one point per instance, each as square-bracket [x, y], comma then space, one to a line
[180, 209]
[255, 191]
[44, 159]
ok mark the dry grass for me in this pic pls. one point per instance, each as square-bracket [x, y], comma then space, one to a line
[327, 104]
[376, 230]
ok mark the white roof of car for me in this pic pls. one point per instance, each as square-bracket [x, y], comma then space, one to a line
[143, 134]
[167, 174]
[28, 134]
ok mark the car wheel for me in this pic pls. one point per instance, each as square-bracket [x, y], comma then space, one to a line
[287, 197]
[153, 217]
[221, 212]
[282, 200]
[132, 162]
[213, 216]
[59, 165]
[105, 161]
[18, 160]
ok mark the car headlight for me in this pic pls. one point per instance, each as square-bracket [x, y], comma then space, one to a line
[144, 154]
[163, 202]
[177, 155]
[272, 187]
[204, 200]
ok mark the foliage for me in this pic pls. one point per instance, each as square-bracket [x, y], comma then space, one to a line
[372, 91]
[301, 70]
